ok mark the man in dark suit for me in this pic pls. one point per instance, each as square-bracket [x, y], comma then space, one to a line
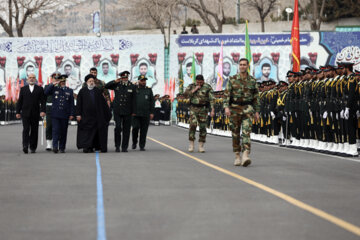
[30, 105]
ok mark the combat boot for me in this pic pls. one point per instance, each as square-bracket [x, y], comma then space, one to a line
[245, 158]
[201, 147]
[237, 159]
[191, 146]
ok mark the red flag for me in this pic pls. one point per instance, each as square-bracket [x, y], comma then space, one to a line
[295, 39]
[8, 90]
[13, 92]
[17, 88]
[40, 82]
[112, 95]
[22, 83]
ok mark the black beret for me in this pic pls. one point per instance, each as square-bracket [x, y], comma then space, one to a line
[87, 77]
[199, 77]
[142, 77]
[124, 74]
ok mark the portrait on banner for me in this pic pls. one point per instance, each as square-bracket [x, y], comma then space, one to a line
[186, 67]
[266, 70]
[26, 69]
[145, 68]
[69, 68]
[106, 71]
[229, 69]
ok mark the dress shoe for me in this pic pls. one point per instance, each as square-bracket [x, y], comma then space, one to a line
[25, 150]
[103, 151]
[32, 150]
[133, 146]
[62, 150]
[85, 150]
[124, 150]
[55, 150]
[142, 149]
[117, 149]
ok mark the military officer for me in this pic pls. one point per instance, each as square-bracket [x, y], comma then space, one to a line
[123, 106]
[48, 113]
[241, 104]
[144, 112]
[201, 97]
[61, 112]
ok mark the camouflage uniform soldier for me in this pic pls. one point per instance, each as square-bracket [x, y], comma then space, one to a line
[240, 103]
[201, 96]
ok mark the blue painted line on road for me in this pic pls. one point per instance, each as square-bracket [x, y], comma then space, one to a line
[101, 229]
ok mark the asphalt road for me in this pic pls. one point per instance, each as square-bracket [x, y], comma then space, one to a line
[166, 193]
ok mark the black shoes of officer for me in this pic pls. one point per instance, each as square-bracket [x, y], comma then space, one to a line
[117, 149]
[142, 149]
[62, 150]
[55, 150]
[124, 150]
[25, 150]
[32, 150]
[85, 150]
[133, 146]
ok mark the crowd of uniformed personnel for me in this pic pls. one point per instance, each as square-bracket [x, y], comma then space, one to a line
[315, 109]
[133, 106]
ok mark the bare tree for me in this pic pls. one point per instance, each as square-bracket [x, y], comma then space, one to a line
[263, 7]
[210, 11]
[162, 14]
[314, 11]
[19, 11]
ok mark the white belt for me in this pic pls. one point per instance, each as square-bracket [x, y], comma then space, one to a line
[48, 104]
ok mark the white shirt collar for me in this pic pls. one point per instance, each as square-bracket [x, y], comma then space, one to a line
[31, 87]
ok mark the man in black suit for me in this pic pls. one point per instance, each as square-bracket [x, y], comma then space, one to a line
[31, 103]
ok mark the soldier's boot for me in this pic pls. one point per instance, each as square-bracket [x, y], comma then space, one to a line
[191, 146]
[48, 145]
[246, 161]
[237, 161]
[201, 147]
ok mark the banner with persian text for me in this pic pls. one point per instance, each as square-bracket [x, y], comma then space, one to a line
[74, 56]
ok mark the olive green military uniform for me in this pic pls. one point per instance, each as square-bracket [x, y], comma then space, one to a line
[200, 101]
[144, 107]
[242, 97]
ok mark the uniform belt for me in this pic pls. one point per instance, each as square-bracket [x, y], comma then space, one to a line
[242, 103]
[48, 104]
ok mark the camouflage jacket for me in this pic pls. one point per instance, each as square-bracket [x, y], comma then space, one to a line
[242, 90]
[203, 96]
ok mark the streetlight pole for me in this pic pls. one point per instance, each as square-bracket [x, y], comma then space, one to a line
[238, 11]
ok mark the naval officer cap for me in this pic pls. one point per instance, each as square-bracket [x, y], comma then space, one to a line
[124, 74]
[61, 78]
[142, 77]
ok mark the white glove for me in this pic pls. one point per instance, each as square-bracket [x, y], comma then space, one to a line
[295, 114]
[331, 115]
[358, 114]
[284, 118]
[346, 113]
[342, 114]
[286, 113]
[272, 115]
[325, 115]
[337, 116]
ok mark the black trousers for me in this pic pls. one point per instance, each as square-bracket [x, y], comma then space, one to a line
[60, 127]
[140, 124]
[30, 132]
[48, 127]
[122, 126]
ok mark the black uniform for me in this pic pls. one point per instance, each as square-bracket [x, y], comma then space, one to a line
[144, 107]
[123, 107]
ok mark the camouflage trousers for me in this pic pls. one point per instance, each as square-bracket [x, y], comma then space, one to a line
[241, 119]
[198, 117]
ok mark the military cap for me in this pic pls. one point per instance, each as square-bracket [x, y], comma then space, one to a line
[142, 77]
[61, 78]
[283, 83]
[157, 95]
[54, 74]
[357, 72]
[124, 74]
